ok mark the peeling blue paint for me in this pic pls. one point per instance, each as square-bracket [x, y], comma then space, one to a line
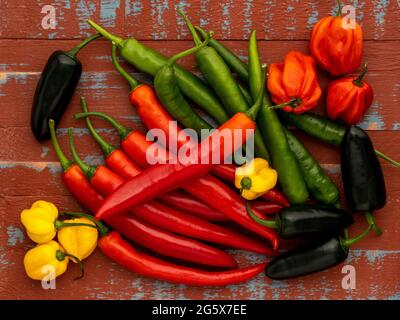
[158, 7]
[373, 120]
[45, 152]
[313, 18]
[226, 18]
[133, 8]
[248, 21]
[15, 236]
[84, 11]
[182, 31]
[204, 11]
[108, 12]
[396, 126]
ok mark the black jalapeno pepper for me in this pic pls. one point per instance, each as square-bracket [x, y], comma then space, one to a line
[362, 175]
[297, 221]
[311, 257]
[55, 89]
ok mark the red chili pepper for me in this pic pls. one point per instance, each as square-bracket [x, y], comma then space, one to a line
[117, 249]
[74, 179]
[121, 164]
[105, 182]
[137, 146]
[158, 215]
[265, 208]
[349, 98]
[224, 199]
[120, 251]
[189, 204]
[226, 172]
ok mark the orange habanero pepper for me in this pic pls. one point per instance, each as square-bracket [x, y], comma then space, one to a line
[296, 78]
[336, 45]
[349, 98]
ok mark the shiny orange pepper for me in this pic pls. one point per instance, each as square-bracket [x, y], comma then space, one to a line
[336, 45]
[349, 98]
[296, 78]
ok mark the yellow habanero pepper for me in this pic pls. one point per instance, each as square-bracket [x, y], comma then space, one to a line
[255, 178]
[41, 221]
[79, 241]
[46, 254]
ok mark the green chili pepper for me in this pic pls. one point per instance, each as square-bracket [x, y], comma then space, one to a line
[233, 62]
[318, 182]
[325, 130]
[220, 78]
[171, 97]
[150, 61]
[289, 173]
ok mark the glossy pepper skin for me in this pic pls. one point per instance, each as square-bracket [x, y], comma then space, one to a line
[124, 254]
[306, 259]
[46, 254]
[312, 257]
[305, 220]
[348, 99]
[172, 98]
[363, 179]
[55, 89]
[219, 76]
[79, 241]
[255, 178]
[325, 130]
[295, 78]
[336, 49]
[150, 61]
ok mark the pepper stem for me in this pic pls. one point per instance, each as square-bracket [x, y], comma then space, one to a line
[131, 80]
[347, 243]
[358, 81]
[103, 230]
[371, 221]
[294, 103]
[253, 111]
[122, 130]
[64, 161]
[117, 40]
[273, 224]
[74, 51]
[104, 145]
[89, 171]
[60, 224]
[245, 183]
[62, 255]
[190, 51]
[191, 28]
[340, 8]
[387, 158]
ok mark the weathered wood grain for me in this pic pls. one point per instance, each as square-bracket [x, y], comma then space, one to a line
[155, 19]
[29, 170]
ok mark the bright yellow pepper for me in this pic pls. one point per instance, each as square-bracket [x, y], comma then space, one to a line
[41, 222]
[79, 241]
[46, 254]
[255, 178]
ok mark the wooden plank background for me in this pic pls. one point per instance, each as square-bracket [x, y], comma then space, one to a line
[29, 171]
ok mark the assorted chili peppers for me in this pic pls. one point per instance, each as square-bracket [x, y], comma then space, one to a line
[170, 207]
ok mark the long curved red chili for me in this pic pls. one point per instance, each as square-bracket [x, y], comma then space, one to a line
[120, 251]
[158, 215]
[223, 198]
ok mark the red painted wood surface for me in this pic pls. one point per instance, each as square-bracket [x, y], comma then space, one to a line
[29, 171]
